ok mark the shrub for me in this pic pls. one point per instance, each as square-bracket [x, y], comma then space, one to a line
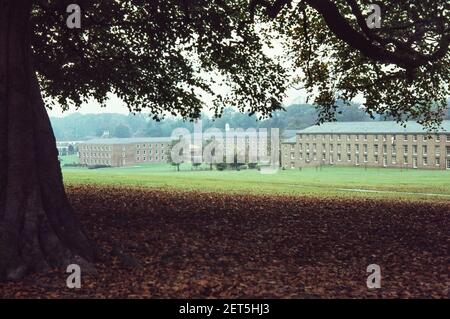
[252, 165]
[98, 166]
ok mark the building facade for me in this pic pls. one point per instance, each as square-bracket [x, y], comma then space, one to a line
[119, 152]
[370, 144]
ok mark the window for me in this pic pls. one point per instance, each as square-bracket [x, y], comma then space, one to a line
[144, 158]
[349, 148]
[365, 137]
[375, 158]
[438, 161]
[448, 137]
[137, 152]
[405, 149]
[315, 147]
[394, 149]
[348, 137]
[300, 136]
[448, 163]
[415, 149]
[447, 150]
[405, 137]
[405, 160]
[349, 157]
[425, 160]
[376, 137]
[324, 157]
[394, 160]
[375, 148]
[331, 137]
[339, 137]
[307, 147]
[292, 147]
[424, 149]
[415, 138]
[357, 148]
[438, 138]
[331, 159]
[437, 150]
[384, 160]
[292, 155]
[357, 137]
[331, 148]
[424, 137]
[339, 148]
[301, 146]
[384, 148]
[357, 159]
[415, 162]
[339, 157]
[137, 158]
[384, 137]
[365, 148]
[366, 158]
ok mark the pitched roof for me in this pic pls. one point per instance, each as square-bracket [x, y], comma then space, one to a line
[132, 140]
[290, 140]
[371, 127]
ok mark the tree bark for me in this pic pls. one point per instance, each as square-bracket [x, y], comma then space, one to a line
[38, 228]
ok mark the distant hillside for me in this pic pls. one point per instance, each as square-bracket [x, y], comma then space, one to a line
[84, 126]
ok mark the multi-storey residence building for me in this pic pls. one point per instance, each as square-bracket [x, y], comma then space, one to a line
[118, 152]
[371, 144]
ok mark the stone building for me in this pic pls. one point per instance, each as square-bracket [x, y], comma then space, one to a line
[371, 144]
[118, 152]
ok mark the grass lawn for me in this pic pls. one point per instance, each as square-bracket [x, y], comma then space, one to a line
[328, 181]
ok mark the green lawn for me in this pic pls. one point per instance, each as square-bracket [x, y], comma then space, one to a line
[328, 181]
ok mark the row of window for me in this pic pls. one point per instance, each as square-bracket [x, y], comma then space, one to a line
[98, 155]
[414, 163]
[97, 161]
[149, 145]
[144, 152]
[384, 137]
[94, 148]
[437, 148]
[376, 159]
[145, 158]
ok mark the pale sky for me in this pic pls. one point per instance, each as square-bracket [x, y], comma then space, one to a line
[115, 105]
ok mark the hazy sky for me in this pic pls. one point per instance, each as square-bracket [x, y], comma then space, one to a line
[115, 105]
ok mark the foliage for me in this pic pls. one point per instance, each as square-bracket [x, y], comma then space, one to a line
[402, 69]
[160, 54]
[122, 131]
[166, 55]
[298, 116]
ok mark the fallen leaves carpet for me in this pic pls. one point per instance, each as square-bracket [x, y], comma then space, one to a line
[167, 244]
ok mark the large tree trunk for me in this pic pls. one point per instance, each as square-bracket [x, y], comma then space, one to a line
[38, 228]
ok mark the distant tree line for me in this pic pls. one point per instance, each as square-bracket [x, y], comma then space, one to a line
[297, 116]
